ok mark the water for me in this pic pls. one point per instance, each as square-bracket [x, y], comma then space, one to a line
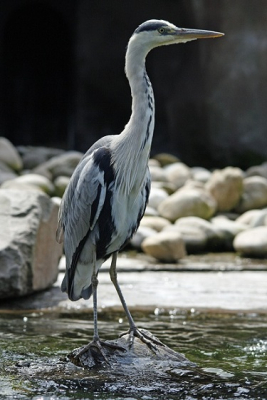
[231, 349]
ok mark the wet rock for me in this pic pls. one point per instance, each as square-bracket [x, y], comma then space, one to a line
[156, 223]
[35, 180]
[62, 165]
[156, 196]
[252, 242]
[165, 246]
[142, 233]
[177, 174]
[120, 356]
[254, 194]
[9, 155]
[188, 202]
[226, 186]
[29, 254]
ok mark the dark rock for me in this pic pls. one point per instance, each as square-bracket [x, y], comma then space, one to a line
[126, 358]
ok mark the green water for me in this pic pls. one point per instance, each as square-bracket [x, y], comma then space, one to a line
[231, 348]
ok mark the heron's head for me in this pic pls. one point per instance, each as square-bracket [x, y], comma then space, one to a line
[154, 33]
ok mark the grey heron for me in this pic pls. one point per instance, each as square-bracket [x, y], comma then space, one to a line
[107, 194]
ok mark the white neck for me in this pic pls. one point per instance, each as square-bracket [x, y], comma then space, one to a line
[132, 147]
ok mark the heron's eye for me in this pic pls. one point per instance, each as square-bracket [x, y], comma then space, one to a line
[162, 30]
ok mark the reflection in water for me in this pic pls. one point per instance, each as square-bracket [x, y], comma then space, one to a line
[229, 346]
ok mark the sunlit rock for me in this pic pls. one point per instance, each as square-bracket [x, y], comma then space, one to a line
[252, 242]
[165, 246]
[32, 156]
[62, 165]
[226, 186]
[35, 180]
[156, 196]
[254, 194]
[29, 254]
[188, 202]
[142, 233]
[200, 174]
[156, 223]
[60, 183]
[157, 174]
[6, 173]
[177, 174]
[9, 155]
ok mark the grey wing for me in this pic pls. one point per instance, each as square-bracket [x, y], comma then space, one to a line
[80, 208]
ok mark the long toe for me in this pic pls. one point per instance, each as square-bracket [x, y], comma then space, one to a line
[147, 338]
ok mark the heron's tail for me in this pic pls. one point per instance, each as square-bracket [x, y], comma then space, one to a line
[75, 287]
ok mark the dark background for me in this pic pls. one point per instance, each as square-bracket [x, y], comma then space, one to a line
[62, 82]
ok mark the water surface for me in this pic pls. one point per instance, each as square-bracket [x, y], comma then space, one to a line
[230, 348]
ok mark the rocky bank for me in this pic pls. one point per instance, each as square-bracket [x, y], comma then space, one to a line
[190, 210]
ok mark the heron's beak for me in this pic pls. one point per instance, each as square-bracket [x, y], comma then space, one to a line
[185, 34]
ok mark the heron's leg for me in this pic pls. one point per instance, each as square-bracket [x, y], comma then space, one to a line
[114, 280]
[133, 331]
[94, 289]
[97, 343]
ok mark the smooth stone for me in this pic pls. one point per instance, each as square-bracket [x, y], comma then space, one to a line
[149, 211]
[9, 155]
[168, 187]
[152, 162]
[253, 218]
[62, 165]
[252, 242]
[35, 180]
[208, 235]
[29, 253]
[60, 183]
[200, 174]
[156, 196]
[32, 156]
[165, 246]
[157, 174]
[166, 159]
[177, 174]
[224, 224]
[194, 238]
[226, 186]
[257, 170]
[156, 223]
[6, 173]
[140, 235]
[254, 194]
[188, 202]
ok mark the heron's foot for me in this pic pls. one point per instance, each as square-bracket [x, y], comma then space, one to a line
[98, 350]
[148, 339]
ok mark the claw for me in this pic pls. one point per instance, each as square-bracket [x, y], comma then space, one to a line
[95, 348]
[150, 341]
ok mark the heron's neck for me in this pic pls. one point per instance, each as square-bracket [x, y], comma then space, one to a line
[132, 148]
[141, 123]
